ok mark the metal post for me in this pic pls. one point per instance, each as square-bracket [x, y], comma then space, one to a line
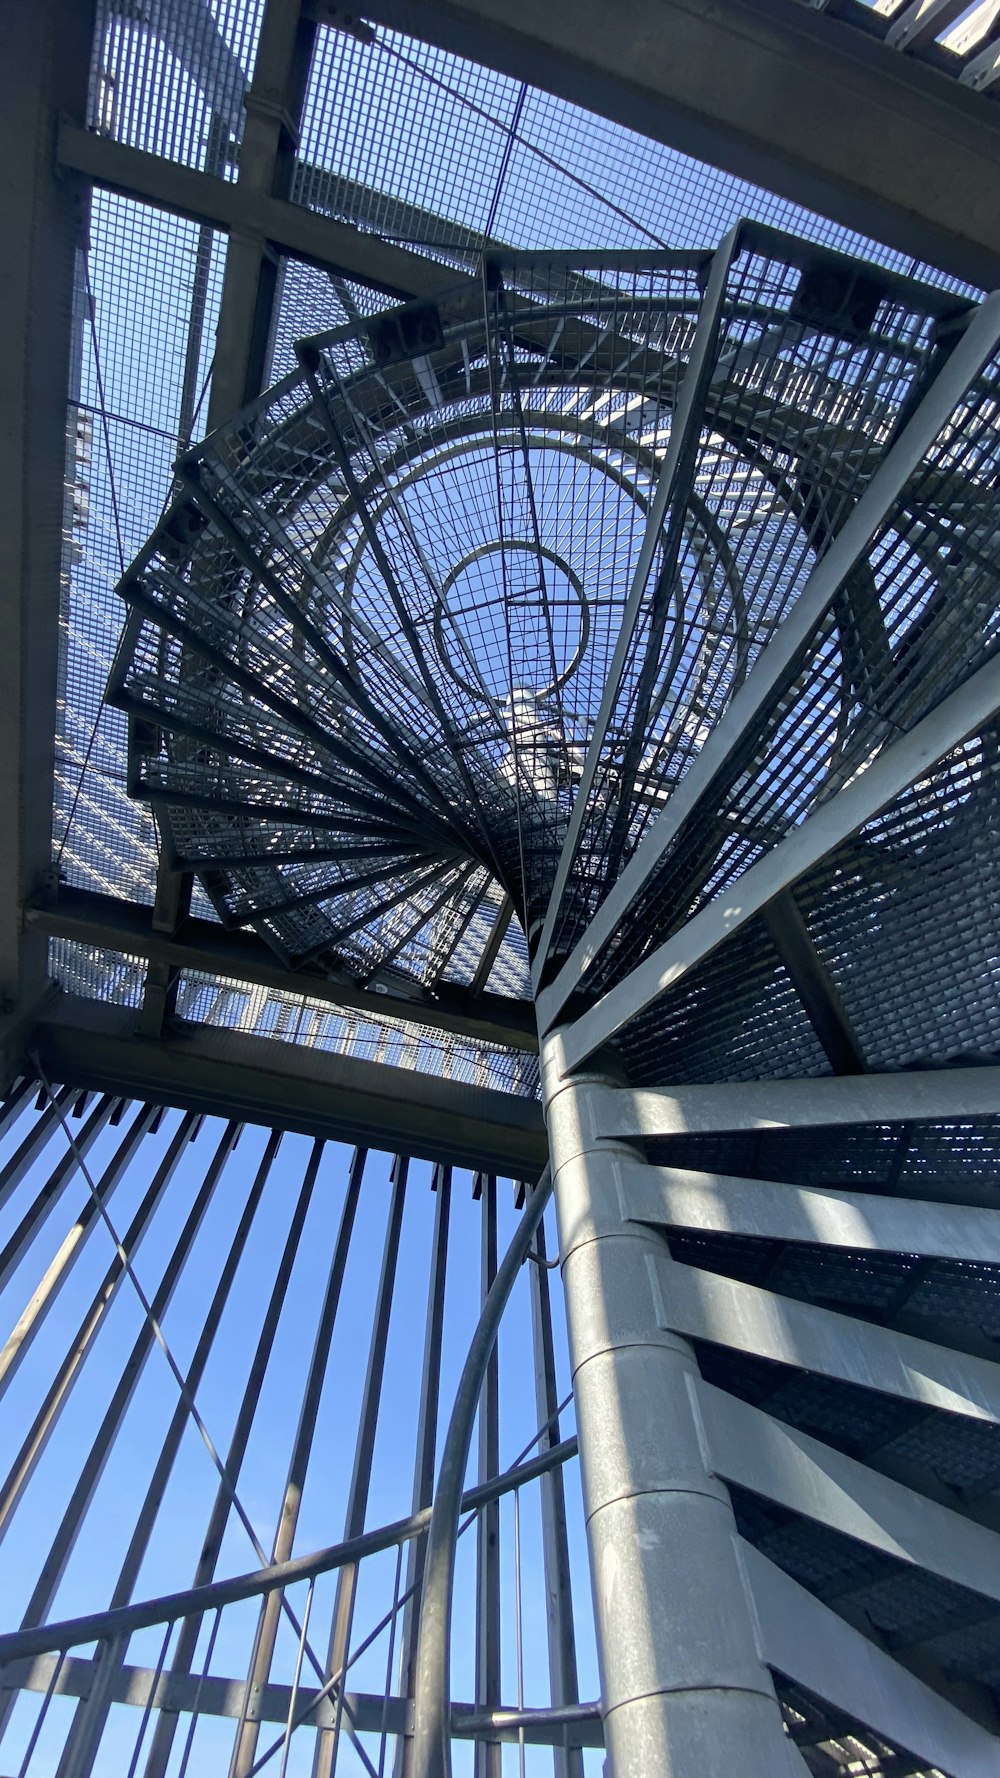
[685, 1692]
[327, 1743]
[488, 1753]
[49, 1194]
[427, 1426]
[555, 1543]
[187, 1642]
[245, 1745]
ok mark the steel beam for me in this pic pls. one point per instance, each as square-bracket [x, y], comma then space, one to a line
[242, 958]
[814, 985]
[933, 1095]
[576, 1725]
[806, 106]
[767, 1210]
[224, 1073]
[808, 1641]
[288, 228]
[266, 165]
[892, 771]
[705, 1305]
[44, 69]
[677, 467]
[780, 1463]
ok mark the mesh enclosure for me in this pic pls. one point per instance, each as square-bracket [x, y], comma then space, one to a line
[390, 607]
[414, 593]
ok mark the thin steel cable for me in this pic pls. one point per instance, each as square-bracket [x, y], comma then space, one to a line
[195, 1708]
[547, 159]
[25, 1767]
[512, 137]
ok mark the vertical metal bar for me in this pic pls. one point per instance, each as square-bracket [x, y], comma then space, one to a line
[563, 1684]
[293, 1699]
[159, 1754]
[32, 1144]
[29, 1753]
[427, 1426]
[47, 1417]
[59, 1269]
[181, 1418]
[245, 1744]
[179, 1423]
[431, 1712]
[133, 1764]
[519, 1627]
[684, 1689]
[390, 1660]
[80, 1763]
[489, 1754]
[15, 1102]
[48, 1196]
[686, 419]
[327, 1741]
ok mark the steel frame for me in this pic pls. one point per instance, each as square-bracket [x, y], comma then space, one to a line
[787, 96]
[693, 1696]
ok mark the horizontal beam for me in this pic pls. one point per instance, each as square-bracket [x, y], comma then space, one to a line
[753, 1450]
[934, 1095]
[894, 770]
[805, 1639]
[224, 1073]
[45, 53]
[800, 102]
[865, 1222]
[575, 1725]
[219, 203]
[85, 917]
[746, 1318]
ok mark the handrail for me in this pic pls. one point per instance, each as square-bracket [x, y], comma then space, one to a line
[124, 1619]
[431, 1692]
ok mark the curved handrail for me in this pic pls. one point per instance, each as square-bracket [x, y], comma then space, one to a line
[431, 1701]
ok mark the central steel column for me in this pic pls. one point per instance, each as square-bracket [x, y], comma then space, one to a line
[685, 1692]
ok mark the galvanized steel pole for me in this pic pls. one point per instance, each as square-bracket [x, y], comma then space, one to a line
[685, 1692]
